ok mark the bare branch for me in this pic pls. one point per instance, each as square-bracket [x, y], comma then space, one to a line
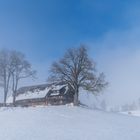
[77, 70]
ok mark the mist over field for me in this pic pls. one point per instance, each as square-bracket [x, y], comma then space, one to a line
[121, 66]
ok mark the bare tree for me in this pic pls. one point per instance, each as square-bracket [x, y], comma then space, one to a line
[13, 68]
[21, 69]
[5, 73]
[77, 70]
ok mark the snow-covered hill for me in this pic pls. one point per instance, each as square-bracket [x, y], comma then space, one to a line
[66, 123]
[132, 113]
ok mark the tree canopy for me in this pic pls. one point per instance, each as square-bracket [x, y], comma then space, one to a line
[77, 69]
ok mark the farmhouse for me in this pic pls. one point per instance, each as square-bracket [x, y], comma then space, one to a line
[46, 94]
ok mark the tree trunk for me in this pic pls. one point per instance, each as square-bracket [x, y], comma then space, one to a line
[5, 92]
[5, 97]
[76, 101]
[6, 86]
[14, 88]
[14, 99]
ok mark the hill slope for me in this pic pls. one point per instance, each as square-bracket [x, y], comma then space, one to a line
[66, 123]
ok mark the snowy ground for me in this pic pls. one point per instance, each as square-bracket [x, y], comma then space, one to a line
[132, 113]
[66, 123]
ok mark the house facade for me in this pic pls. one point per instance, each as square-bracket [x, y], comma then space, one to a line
[58, 94]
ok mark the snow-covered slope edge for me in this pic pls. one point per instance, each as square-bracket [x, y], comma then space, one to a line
[132, 113]
[66, 123]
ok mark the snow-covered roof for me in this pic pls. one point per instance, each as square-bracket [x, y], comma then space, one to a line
[34, 88]
[34, 92]
[57, 87]
[33, 95]
[30, 95]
